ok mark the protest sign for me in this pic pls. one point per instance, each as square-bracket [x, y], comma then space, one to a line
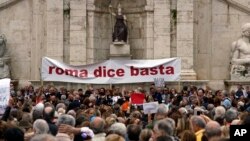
[137, 98]
[159, 82]
[150, 108]
[112, 71]
[4, 94]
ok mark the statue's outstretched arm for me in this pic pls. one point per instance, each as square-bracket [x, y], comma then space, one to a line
[110, 10]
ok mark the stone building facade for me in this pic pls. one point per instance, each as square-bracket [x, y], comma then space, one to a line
[79, 32]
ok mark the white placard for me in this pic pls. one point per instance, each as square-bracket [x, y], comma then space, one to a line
[4, 94]
[159, 82]
[150, 107]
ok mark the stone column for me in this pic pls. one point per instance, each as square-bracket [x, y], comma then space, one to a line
[66, 31]
[90, 31]
[54, 48]
[203, 38]
[161, 29]
[78, 32]
[149, 30]
[38, 38]
[185, 38]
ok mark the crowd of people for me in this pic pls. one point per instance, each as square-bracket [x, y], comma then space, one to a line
[48, 113]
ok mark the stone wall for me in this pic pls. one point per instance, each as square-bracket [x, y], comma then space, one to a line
[102, 34]
[136, 35]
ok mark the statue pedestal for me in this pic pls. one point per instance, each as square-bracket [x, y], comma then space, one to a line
[120, 50]
[232, 84]
[240, 72]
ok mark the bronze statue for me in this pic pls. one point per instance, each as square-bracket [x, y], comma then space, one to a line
[120, 32]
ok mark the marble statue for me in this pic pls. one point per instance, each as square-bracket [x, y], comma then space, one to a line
[4, 59]
[2, 45]
[120, 32]
[240, 63]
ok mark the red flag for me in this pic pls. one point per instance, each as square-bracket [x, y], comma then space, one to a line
[137, 98]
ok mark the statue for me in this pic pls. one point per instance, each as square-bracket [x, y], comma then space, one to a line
[4, 59]
[120, 32]
[2, 45]
[240, 63]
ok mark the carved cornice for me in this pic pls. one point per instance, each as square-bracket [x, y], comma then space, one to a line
[8, 3]
[237, 5]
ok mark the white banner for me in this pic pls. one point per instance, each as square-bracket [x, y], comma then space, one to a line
[112, 71]
[4, 94]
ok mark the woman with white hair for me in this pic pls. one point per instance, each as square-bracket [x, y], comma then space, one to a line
[40, 126]
[68, 120]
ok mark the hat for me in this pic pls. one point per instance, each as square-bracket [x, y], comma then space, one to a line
[86, 134]
[226, 103]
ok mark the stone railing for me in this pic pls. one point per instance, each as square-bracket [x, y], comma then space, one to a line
[237, 5]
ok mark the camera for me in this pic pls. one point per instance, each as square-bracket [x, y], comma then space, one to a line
[198, 111]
